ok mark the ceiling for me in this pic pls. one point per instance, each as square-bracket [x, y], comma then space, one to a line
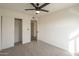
[52, 7]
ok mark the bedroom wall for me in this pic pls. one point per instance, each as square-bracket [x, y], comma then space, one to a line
[59, 28]
[7, 32]
[8, 27]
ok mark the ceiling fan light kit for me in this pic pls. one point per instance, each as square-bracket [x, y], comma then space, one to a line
[37, 12]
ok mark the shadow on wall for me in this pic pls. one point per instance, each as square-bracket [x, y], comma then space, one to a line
[74, 42]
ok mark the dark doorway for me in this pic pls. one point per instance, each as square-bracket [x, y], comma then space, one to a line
[33, 30]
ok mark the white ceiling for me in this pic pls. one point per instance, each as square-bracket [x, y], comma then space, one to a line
[52, 7]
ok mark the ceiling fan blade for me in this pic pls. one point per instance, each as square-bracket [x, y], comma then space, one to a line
[33, 5]
[44, 10]
[30, 9]
[44, 5]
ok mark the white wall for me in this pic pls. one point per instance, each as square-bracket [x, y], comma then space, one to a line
[57, 27]
[0, 32]
[8, 27]
[7, 32]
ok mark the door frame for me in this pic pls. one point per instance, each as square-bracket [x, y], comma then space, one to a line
[21, 29]
[36, 29]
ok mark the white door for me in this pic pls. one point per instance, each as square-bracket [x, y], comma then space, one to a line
[7, 32]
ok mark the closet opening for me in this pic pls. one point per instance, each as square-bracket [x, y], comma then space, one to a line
[18, 31]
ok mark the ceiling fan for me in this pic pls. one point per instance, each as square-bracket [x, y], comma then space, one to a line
[38, 8]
